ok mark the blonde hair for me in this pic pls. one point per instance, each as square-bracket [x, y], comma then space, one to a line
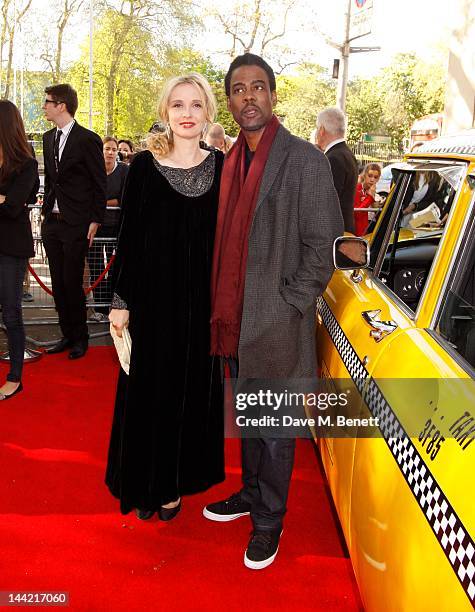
[161, 143]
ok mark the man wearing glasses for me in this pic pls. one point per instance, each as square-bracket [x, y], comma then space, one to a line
[73, 208]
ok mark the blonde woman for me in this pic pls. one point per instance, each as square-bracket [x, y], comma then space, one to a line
[167, 432]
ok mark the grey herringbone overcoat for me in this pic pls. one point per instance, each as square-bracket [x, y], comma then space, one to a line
[289, 262]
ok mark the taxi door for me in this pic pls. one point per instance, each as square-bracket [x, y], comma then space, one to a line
[412, 511]
[352, 308]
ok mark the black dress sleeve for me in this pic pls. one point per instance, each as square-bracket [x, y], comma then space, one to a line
[130, 245]
[20, 189]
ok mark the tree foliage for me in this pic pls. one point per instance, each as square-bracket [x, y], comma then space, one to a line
[131, 48]
[261, 27]
[390, 102]
[302, 96]
[12, 14]
[137, 44]
[64, 11]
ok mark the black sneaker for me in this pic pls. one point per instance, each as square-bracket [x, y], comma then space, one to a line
[228, 509]
[262, 549]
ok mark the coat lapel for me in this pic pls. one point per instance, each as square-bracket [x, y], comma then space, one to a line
[49, 151]
[277, 156]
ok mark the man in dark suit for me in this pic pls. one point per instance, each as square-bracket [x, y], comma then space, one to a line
[331, 127]
[278, 217]
[73, 208]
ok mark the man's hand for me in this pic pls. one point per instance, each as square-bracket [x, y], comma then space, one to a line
[355, 250]
[93, 227]
[119, 320]
[2, 198]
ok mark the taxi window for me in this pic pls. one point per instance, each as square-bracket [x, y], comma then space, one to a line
[456, 323]
[416, 229]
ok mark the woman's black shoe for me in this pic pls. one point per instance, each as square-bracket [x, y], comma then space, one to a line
[144, 515]
[166, 514]
[17, 390]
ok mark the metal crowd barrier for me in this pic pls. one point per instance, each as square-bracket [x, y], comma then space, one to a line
[37, 283]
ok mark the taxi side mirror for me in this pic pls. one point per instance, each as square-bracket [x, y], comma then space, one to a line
[350, 253]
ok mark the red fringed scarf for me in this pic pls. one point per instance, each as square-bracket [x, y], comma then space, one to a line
[237, 202]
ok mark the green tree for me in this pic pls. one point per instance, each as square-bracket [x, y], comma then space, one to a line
[129, 49]
[363, 108]
[302, 96]
[124, 83]
[409, 89]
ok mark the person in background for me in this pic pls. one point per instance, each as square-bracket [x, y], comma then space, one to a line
[229, 141]
[216, 137]
[27, 296]
[73, 208]
[365, 197]
[331, 128]
[157, 127]
[126, 151]
[100, 252]
[167, 436]
[19, 184]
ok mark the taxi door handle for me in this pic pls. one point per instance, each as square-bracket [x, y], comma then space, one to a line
[380, 329]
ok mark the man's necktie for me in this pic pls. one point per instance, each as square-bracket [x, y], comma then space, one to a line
[56, 148]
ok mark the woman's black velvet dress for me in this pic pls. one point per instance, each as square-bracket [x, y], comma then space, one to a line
[167, 431]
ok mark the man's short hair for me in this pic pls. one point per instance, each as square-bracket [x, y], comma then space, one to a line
[333, 120]
[248, 59]
[216, 130]
[64, 93]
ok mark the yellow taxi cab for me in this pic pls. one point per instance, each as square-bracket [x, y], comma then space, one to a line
[401, 332]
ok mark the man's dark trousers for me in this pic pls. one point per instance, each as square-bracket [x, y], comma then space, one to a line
[267, 465]
[66, 248]
[266, 471]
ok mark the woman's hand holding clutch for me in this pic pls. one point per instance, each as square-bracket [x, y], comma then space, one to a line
[119, 319]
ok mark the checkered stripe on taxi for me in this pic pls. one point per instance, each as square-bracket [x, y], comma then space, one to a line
[451, 534]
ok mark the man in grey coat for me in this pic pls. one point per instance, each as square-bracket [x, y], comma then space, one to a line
[277, 220]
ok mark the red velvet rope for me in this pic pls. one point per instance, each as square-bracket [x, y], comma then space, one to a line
[99, 278]
[39, 281]
[86, 291]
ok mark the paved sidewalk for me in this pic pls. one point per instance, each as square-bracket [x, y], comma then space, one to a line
[50, 331]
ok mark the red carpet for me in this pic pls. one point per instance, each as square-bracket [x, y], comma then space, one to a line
[60, 530]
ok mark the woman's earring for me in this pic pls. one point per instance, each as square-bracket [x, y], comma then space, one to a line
[168, 131]
[203, 131]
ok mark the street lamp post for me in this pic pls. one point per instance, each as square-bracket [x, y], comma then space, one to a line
[345, 50]
[345, 56]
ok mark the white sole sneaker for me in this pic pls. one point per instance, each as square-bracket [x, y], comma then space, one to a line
[257, 565]
[222, 518]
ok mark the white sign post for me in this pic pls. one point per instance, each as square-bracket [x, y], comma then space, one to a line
[361, 18]
[358, 18]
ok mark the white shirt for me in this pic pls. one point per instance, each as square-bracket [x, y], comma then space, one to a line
[65, 130]
[333, 143]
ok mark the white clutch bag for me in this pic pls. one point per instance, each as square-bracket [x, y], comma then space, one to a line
[123, 346]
